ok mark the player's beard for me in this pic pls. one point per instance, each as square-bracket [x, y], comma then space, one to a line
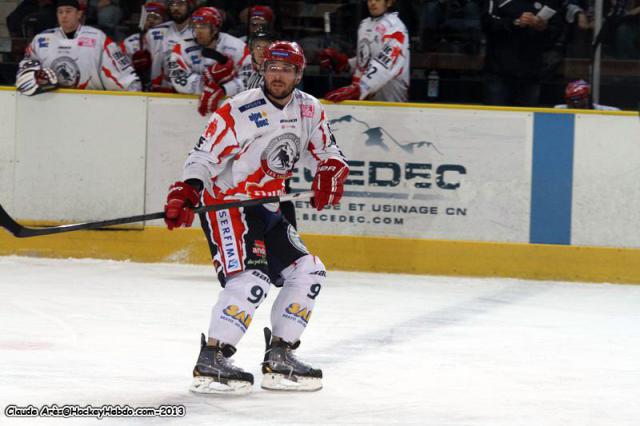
[179, 19]
[282, 95]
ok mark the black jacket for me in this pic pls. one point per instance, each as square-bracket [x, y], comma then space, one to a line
[518, 52]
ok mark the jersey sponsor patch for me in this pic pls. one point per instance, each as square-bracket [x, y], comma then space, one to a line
[86, 42]
[306, 111]
[259, 119]
[280, 156]
[298, 312]
[43, 42]
[251, 105]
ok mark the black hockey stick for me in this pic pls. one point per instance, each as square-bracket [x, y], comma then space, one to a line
[20, 231]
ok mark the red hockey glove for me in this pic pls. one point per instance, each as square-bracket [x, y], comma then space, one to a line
[141, 61]
[210, 99]
[351, 92]
[219, 73]
[328, 184]
[178, 210]
[332, 59]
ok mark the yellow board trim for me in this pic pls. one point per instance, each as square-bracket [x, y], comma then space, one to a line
[361, 103]
[350, 253]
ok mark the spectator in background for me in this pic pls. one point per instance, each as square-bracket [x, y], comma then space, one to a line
[519, 32]
[109, 16]
[577, 95]
[381, 66]
[31, 17]
[153, 14]
[627, 32]
[74, 56]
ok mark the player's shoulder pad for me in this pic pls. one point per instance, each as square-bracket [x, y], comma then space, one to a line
[392, 20]
[248, 100]
[87, 30]
[132, 38]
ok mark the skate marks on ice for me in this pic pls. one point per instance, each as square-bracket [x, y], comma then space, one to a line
[430, 321]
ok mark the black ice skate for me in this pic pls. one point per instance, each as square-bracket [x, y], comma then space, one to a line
[215, 373]
[283, 371]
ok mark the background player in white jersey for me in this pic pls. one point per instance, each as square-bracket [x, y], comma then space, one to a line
[381, 66]
[249, 147]
[74, 56]
[577, 95]
[153, 14]
[161, 39]
[214, 64]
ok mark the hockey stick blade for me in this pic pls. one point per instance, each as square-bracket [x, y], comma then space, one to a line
[20, 231]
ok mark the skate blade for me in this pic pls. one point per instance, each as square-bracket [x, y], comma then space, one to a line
[274, 381]
[207, 385]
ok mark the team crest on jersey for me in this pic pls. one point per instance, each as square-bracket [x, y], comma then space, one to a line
[67, 71]
[281, 155]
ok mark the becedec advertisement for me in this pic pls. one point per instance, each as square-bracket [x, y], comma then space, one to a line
[425, 173]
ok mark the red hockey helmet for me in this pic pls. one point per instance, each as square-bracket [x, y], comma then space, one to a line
[157, 8]
[286, 51]
[264, 12]
[577, 91]
[207, 15]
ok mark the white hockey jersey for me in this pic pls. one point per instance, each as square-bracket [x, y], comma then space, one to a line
[250, 146]
[381, 66]
[187, 64]
[90, 60]
[160, 41]
[131, 45]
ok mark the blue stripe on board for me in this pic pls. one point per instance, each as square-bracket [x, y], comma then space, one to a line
[551, 178]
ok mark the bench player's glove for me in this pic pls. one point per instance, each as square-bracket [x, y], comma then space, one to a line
[334, 60]
[328, 183]
[210, 98]
[219, 73]
[351, 92]
[180, 202]
[32, 79]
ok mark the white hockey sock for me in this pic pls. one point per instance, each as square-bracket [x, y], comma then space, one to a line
[232, 314]
[292, 308]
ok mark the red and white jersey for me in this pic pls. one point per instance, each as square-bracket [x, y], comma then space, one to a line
[160, 40]
[90, 60]
[187, 65]
[131, 45]
[381, 66]
[250, 146]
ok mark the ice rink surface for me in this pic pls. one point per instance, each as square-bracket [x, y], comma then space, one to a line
[395, 349]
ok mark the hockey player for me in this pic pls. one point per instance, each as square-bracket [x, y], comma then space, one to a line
[214, 64]
[134, 47]
[74, 56]
[381, 66]
[249, 147]
[161, 40]
[577, 95]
